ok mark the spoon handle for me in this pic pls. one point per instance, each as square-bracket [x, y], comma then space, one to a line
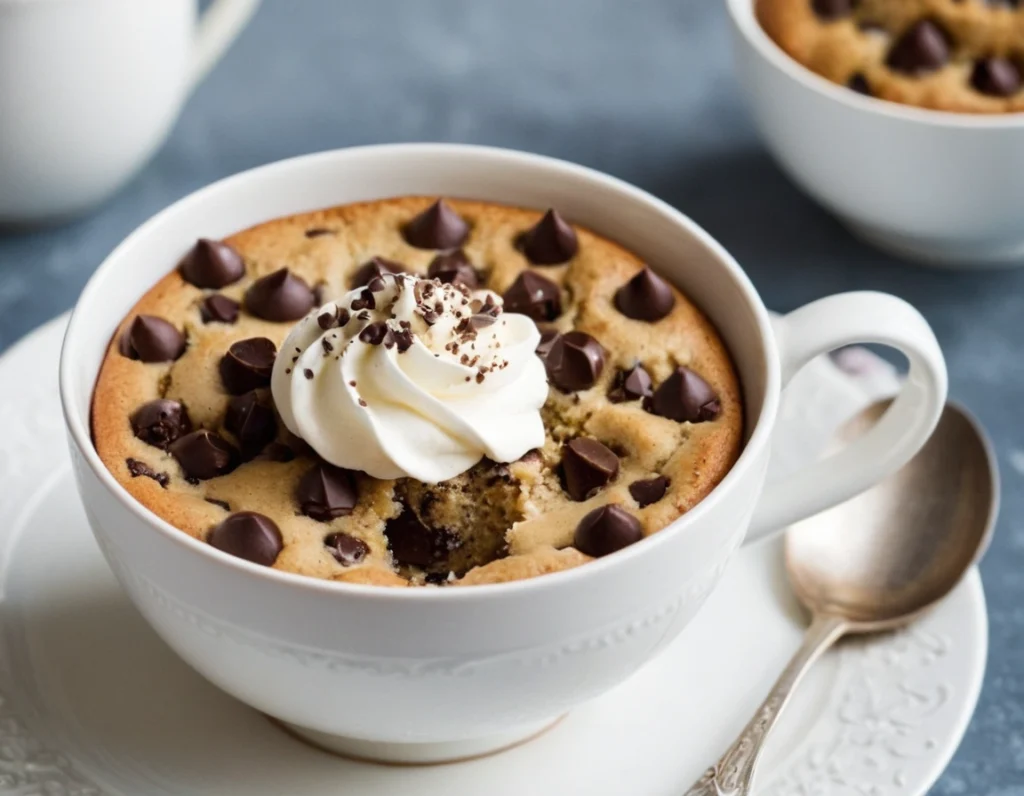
[733, 774]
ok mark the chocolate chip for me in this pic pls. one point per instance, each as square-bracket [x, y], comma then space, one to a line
[317, 232]
[250, 418]
[203, 454]
[137, 468]
[649, 491]
[547, 341]
[833, 9]
[414, 544]
[686, 397]
[346, 549]
[587, 465]
[454, 268]
[645, 297]
[212, 263]
[630, 385]
[280, 296]
[607, 529]
[924, 47]
[326, 492]
[375, 266]
[437, 227]
[221, 503]
[550, 242]
[248, 365]
[534, 296]
[160, 422]
[152, 339]
[374, 333]
[996, 77]
[219, 309]
[574, 362]
[248, 535]
[860, 84]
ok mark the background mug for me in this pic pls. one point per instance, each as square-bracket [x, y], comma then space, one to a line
[89, 89]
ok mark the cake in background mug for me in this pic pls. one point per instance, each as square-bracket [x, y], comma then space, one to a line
[362, 394]
[948, 55]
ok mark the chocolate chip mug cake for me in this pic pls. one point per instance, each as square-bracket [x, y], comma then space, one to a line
[410, 392]
[952, 55]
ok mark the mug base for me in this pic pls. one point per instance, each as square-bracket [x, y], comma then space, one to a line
[418, 754]
[941, 253]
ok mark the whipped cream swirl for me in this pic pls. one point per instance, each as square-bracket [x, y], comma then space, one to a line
[412, 377]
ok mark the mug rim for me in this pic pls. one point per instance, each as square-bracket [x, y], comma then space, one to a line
[79, 427]
[744, 18]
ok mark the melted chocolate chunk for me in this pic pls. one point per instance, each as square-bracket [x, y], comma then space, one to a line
[923, 48]
[587, 466]
[203, 455]
[248, 365]
[218, 309]
[212, 264]
[152, 339]
[645, 297]
[606, 530]
[375, 266]
[649, 491]
[686, 397]
[550, 242]
[248, 535]
[414, 544]
[346, 549]
[437, 227]
[630, 385]
[250, 417]
[160, 422]
[534, 296]
[326, 492]
[221, 503]
[280, 296]
[574, 361]
[454, 268]
[137, 468]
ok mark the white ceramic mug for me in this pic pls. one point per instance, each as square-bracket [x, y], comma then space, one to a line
[90, 88]
[427, 674]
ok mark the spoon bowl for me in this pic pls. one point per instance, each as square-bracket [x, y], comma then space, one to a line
[883, 557]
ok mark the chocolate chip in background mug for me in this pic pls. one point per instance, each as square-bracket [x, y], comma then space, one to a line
[346, 549]
[160, 422]
[218, 309]
[248, 365]
[587, 466]
[248, 535]
[606, 530]
[575, 361]
[326, 492]
[649, 490]
[437, 227]
[645, 297]
[212, 264]
[280, 296]
[151, 339]
[203, 455]
[550, 242]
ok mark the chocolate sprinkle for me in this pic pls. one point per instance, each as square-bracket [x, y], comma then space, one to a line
[326, 492]
[374, 333]
[346, 549]
[248, 535]
[160, 422]
[247, 365]
[587, 466]
[437, 227]
[550, 242]
[280, 296]
[606, 530]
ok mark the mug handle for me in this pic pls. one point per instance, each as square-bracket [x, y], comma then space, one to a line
[827, 324]
[219, 25]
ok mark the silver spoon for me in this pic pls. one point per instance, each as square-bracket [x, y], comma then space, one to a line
[876, 562]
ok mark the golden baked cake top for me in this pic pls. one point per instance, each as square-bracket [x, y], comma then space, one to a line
[642, 417]
[953, 55]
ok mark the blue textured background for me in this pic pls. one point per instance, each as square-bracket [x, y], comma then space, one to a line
[641, 90]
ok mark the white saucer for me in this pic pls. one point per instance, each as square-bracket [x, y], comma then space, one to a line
[92, 702]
